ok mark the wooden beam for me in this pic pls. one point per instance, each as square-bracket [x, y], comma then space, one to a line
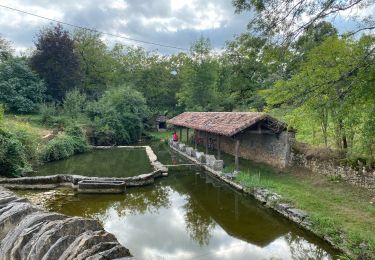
[236, 152]
[187, 135]
[218, 147]
[181, 134]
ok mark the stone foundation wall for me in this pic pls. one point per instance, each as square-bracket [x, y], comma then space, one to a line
[273, 149]
[330, 167]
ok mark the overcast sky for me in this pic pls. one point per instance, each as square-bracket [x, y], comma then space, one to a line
[169, 22]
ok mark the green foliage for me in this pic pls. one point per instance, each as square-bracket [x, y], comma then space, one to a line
[13, 161]
[66, 144]
[74, 103]
[55, 61]
[47, 112]
[20, 88]
[117, 118]
[95, 62]
[1, 114]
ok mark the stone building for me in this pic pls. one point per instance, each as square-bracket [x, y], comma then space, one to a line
[250, 135]
[161, 123]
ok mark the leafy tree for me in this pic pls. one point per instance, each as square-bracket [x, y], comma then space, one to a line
[118, 116]
[6, 50]
[289, 19]
[95, 62]
[21, 90]
[74, 103]
[55, 61]
[200, 75]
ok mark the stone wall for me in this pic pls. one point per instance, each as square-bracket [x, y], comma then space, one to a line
[30, 232]
[273, 149]
[330, 167]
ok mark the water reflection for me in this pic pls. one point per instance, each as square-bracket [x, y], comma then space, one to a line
[114, 162]
[189, 215]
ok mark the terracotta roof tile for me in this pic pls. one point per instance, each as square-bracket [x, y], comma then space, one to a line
[223, 123]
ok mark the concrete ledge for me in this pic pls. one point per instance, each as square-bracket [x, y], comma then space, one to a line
[93, 186]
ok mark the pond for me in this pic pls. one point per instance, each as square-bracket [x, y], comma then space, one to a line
[111, 162]
[188, 215]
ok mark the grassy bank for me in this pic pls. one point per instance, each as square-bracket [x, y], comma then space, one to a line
[340, 211]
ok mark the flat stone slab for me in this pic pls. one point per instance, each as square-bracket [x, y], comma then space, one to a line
[98, 186]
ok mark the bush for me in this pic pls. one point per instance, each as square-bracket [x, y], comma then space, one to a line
[13, 161]
[21, 90]
[74, 103]
[1, 114]
[47, 112]
[66, 144]
[117, 118]
[28, 137]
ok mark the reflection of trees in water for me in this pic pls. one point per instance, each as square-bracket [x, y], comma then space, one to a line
[302, 249]
[198, 223]
[139, 202]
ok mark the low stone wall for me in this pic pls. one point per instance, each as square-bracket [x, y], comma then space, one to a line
[54, 181]
[330, 167]
[267, 198]
[29, 232]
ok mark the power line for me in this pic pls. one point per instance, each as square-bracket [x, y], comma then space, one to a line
[94, 30]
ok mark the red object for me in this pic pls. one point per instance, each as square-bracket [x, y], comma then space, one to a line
[175, 137]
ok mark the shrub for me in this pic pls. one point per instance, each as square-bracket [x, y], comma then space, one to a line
[47, 112]
[21, 90]
[74, 103]
[117, 118]
[1, 114]
[28, 137]
[66, 144]
[13, 160]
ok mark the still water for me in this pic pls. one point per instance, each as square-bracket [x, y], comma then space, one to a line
[113, 162]
[188, 215]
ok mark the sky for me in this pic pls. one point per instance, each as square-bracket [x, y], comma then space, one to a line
[169, 22]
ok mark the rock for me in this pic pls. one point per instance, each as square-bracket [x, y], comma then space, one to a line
[29, 232]
[296, 214]
[210, 159]
[200, 157]
[188, 150]
[193, 153]
[218, 165]
[181, 147]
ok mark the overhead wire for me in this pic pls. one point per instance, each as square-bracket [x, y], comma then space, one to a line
[95, 30]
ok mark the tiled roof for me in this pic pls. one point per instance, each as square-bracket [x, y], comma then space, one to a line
[223, 123]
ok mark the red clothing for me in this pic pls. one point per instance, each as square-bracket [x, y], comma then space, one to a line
[175, 137]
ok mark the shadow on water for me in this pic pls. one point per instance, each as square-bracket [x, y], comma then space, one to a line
[189, 215]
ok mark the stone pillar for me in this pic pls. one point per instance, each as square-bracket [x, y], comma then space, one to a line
[181, 134]
[187, 135]
[195, 139]
[206, 142]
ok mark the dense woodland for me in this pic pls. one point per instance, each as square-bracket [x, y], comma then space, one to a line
[320, 82]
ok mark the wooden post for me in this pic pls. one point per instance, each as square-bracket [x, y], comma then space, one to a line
[236, 161]
[218, 147]
[206, 142]
[181, 134]
[187, 136]
[195, 139]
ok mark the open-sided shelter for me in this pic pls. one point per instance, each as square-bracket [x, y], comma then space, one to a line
[251, 135]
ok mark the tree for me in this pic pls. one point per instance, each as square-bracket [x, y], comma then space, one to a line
[200, 75]
[286, 20]
[55, 61]
[6, 50]
[95, 62]
[21, 90]
[118, 116]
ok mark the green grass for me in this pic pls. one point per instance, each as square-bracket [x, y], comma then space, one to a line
[338, 209]
[160, 135]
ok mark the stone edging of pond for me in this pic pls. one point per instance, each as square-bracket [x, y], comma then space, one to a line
[267, 198]
[88, 184]
[30, 232]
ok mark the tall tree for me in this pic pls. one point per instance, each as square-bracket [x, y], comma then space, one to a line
[6, 49]
[55, 61]
[95, 62]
